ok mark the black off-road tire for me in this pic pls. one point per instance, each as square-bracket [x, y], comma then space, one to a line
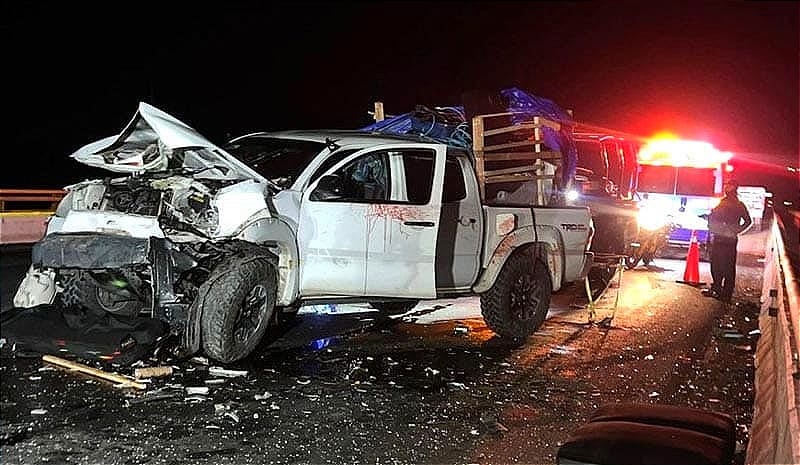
[241, 288]
[80, 291]
[394, 308]
[500, 310]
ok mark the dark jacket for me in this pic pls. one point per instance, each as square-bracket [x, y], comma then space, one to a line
[728, 219]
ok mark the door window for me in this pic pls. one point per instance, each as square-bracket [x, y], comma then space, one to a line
[418, 173]
[454, 189]
[363, 180]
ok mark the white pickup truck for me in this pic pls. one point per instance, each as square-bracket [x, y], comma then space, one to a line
[220, 242]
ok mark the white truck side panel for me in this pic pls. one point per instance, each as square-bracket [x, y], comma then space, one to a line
[562, 231]
[332, 239]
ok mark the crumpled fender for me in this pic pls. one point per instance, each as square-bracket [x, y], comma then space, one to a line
[276, 233]
[549, 240]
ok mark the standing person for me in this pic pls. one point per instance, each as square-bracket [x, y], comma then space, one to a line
[727, 220]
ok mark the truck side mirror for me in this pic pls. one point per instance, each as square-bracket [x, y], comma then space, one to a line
[329, 187]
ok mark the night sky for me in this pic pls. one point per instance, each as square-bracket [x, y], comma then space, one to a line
[722, 72]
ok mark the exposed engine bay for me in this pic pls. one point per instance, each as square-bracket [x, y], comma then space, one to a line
[179, 202]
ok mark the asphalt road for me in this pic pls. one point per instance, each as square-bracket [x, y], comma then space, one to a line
[434, 386]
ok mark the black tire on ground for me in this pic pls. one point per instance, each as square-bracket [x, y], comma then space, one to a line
[517, 304]
[394, 308]
[237, 305]
[80, 290]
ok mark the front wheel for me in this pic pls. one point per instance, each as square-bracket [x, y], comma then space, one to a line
[517, 303]
[237, 305]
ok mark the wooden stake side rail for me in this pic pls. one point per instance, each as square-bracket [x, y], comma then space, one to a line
[486, 152]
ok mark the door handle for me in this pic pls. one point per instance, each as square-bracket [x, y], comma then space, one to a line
[424, 224]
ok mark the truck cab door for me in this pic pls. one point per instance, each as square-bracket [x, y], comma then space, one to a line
[458, 246]
[368, 225]
[402, 231]
[333, 224]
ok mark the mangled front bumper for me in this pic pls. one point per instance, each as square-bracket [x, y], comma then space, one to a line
[92, 251]
[160, 259]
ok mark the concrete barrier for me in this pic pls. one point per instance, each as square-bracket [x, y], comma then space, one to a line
[775, 432]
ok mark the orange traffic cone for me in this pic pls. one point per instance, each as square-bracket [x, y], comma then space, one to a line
[691, 275]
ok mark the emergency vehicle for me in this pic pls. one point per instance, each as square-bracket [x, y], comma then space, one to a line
[680, 182]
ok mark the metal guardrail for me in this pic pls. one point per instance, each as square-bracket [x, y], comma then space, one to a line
[775, 432]
[24, 213]
[48, 197]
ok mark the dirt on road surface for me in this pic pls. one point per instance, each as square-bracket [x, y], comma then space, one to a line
[434, 386]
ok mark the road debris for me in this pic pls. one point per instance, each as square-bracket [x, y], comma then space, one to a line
[755, 332]
[121, 381]
[217, 371]
[457, 386]
[649, 357]
[199, 360]
[152, 372]
[264, 396]
[38, 411]
[460, 330]
[732, 334]
[654, 394]
[203, 390]
[561, 350]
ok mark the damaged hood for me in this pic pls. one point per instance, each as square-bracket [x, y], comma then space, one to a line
[156, 141]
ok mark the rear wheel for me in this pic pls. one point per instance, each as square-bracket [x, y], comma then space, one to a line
[394, 308]
[237, 306]
[517, 304]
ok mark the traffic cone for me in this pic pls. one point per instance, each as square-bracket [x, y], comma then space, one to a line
[691, 274]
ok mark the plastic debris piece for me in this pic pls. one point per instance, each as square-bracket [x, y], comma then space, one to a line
[233, 416]
[199, 360]
[34, 378]
[152, 372]
[457, 386]
[474, 432]
[754, 332]
[217, 371]
[304, 381]
[264, 396]
[255, 416]
[431, 371]
[654, 394]
[38, 411]
[460, 330]
[197, 390]
[195, 398]
[561, 350]
[274, 406]
[649, 357]
[732, 334]
[214, 381]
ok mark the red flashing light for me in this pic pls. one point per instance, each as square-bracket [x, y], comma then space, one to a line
[667, 150]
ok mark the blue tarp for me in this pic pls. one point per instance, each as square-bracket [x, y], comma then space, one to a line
[449, 125]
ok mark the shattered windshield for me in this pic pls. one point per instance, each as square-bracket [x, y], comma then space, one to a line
[279, 160]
